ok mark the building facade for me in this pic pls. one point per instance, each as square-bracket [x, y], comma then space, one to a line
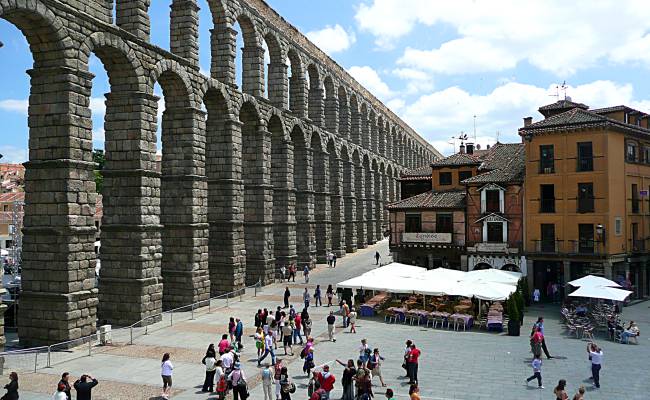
[586, 195]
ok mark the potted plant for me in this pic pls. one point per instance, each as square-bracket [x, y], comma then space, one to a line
[520, 306]
[514, 321]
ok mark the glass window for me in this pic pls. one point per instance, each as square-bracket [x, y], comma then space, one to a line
[547, 232]
[618, 226]
[445, 178]
[547, 198]
[635, 198]
[492, 201]
[546, 159]
[413, 223]
[586, 238]
[585, 157]
[444, 223]
[495, 232]
[462, 175]
[585, 197]
[630, 154]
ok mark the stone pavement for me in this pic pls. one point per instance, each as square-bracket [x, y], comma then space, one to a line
[455, 365]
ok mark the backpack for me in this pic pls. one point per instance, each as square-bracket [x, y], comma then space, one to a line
[303, 353]
[324, 395]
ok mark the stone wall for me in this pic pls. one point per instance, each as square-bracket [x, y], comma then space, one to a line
[247, 184]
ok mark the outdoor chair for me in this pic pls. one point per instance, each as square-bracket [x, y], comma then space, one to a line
[461, 321]
[482, 322]
[432, 320]
[390, 315]
[588, 332]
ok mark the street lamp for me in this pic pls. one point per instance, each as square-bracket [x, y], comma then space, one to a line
[600, 231]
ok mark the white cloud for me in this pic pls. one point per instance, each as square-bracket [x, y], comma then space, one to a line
[98, 105]
[16, 106]
[417, 81]
[371, 80]
[13, 154]
[332, 39]
[553, 35]
[442, 114]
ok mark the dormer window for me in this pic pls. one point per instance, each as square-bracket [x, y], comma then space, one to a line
[630, 152]
[492, 199]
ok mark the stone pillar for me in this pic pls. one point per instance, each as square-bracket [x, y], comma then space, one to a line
[381, 140]
[359, 190]
[374, 136]
[609, 273]
[331, 113]
[223, 43]
[370, 206]
[278, 85]
[284, 203]
[298, 96]
[366, 133]
[305, 233]
[567, 273]
[58, 299]
[379, 204]
[185, 225]
[389, 146]
[258, 205]
[355, 127]
[336, 200]
[227, 259]
[316, 106]
[350, 206]
[322, 206]
[253, 70]
[344, 118]
[184, 30]
[133, 17]
[130, 287]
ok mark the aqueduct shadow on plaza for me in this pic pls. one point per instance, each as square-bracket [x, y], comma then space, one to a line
[249, 181]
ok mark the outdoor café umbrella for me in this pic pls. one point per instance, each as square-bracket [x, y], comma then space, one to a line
[601, 292]
[592, 280]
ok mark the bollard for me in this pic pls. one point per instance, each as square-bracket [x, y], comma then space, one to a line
[171, 318]
[131, 333]
[192, 312]
[49, 356]
[35, 361]
[241, 294]
[90, 346]
[227, 300]
[146, 326]
[209, 306]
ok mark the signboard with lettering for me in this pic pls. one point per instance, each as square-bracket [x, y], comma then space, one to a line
[643, 193]
[429, 237]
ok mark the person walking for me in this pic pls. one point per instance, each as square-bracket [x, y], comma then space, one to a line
[220, 377]
[328, 257]
[223, 344]
[347, 380]
[536, 342]
[287, 334]
[166, 370]
[268, 381]
[306, 298]
[239, 384]
[268, 349]
[345, 309]
[331, 320]
[413, 358]
[239, 332]
[334, 260]
[60, 392]
[377, 257]
[537, 371]
[283, 272]
[317, 296]
[292, 272]
[65, 380]
[231, 329]
[85, 384]
[353, 320]
[581, 394]
[305, 273]
[259, 341]
[330, 294]
[405, 364]
[11, 387]
[374, 365]
[326, 379]
[296, 330]
[308, 352]
[210, 362]
[287, 295]
[596, 357]
[364, 352]
[286, 386]
[559, 391]
[540, 325]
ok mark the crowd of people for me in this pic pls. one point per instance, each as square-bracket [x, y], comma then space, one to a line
[83, 387]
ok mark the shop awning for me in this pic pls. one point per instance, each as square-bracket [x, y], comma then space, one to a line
[601, 292]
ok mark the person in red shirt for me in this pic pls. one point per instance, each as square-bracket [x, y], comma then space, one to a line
[319, 392]
[536, 342]
[412, 363]
[325, 379]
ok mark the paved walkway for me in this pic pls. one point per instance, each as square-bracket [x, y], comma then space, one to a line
[455, 365]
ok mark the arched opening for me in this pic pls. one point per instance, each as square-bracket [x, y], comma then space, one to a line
[248, 57]
[380, 137]
[349, 201]
[510, 267]
[284, 200]
[266, 62]
[355, 121]
[377, 198]
[322, 205]
[275, 73]
[365, 128]
[360, 191]
[372, 142]
[384, 197]
[391, 186]
[315, 108]
[482, 265]
[302, 178]
[331, 106]
[336, 201]
[225, 264]
[369, 200]
[296, 84]
[344, 113]
[258, 232]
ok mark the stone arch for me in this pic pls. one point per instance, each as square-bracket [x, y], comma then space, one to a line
[369, 165]
[171, 74]
[344, 113]
[322, 205]
[252, 69]
[297, 84]
[391, 187]
[355, 120]
[258, 230]
[372, 142]
[276, 87]
[316, 102]
[349, 200]
[212, 90]
[381, 136]
[336, 200]
[331, 106]
[390, 135]
[364, 127]
[303, 183]
[360, 192]
[381, 197]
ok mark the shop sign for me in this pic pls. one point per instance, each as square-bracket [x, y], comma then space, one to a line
[430, 237]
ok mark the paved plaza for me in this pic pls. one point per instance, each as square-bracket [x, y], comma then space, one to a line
[455, 365]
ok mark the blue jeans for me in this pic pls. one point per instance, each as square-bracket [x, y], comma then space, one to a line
[267, 351]
[296, 336]
[595, 373]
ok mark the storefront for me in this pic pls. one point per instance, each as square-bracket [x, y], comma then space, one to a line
[504, 262]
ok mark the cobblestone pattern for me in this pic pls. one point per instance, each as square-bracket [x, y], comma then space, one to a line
[213, 218]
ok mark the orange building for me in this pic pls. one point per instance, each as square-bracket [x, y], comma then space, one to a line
[586, 205]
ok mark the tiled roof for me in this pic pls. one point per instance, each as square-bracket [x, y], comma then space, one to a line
[457, 159]
[506, 162]
[431, 199]
[562, 104]
[606, 110]
[422, 173]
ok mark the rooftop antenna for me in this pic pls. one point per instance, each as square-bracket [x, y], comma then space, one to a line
[564, 88]
[474, 128]
[498, 133]
[557, 93]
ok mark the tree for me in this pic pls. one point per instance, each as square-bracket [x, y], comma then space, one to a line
[99, 159]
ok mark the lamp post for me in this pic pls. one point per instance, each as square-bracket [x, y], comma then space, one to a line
[601, 232]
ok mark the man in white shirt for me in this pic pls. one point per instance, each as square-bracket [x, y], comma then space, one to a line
[268, 349]
[596, 357]
[227, 360]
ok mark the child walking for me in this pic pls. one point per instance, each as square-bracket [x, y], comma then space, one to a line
[537, 371]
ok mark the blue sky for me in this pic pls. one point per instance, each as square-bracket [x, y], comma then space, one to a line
[436, 67]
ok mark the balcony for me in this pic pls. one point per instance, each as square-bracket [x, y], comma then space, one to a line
[585, 205]
[586, 247]
[585, 164]
[546, 246]
[546, 205]
[546, 168]
[637, 245]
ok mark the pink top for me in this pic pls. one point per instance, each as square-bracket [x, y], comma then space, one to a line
[223, 345]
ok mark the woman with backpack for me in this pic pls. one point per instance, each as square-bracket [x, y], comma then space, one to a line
[286, 386]
[364, 352]
[374, 365]
[308, 355]
[210, 362]
[239, 385]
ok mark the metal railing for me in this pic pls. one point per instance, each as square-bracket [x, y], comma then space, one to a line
[35, 358]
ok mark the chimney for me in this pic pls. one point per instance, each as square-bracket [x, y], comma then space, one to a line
[470, 148]
[488, 147]
[461, 149]
[528, 121]
[478, 146]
